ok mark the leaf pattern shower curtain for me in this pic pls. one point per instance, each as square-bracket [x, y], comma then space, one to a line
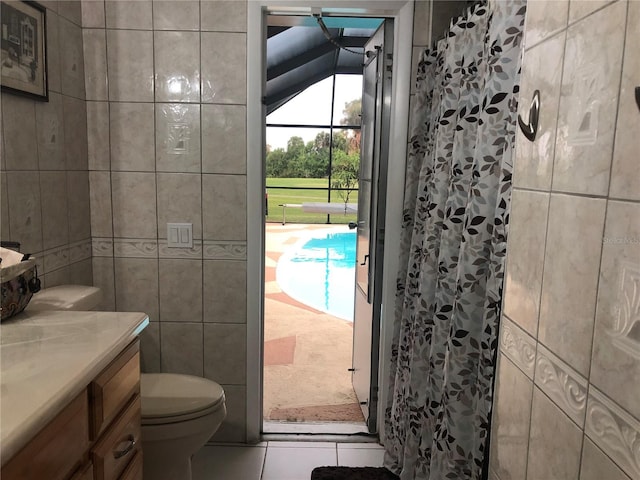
[456, 212]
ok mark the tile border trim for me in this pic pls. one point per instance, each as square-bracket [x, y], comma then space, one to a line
[224, 250]
[62, 256]
[80, 251]
[562, 384]
[135, 248]
[518, 346]
[101, 247]
[193, 253]
[157, 248]
[614, 431]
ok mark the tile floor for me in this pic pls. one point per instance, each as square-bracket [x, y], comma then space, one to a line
[280, 460]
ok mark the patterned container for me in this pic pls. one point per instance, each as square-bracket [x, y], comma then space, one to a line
[16, 287]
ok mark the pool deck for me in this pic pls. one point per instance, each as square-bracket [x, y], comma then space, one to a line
[307, 353]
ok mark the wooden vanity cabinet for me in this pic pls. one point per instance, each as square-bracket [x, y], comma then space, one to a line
[115, 415]
[112, 390]
[114, 450]
[95, 437]
[57, 449]
[84, 473]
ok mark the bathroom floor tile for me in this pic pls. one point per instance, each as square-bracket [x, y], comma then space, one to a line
[228, 463]
[294, 463]
[360, 457]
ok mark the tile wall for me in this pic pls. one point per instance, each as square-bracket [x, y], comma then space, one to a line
[43, 168]
[568, 383]
[166, 116]
[431, 20]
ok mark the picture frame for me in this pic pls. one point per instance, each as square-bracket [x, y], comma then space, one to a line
[23, 49]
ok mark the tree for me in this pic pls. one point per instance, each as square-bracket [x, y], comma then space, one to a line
[315, 163]
[276, 163]
[322, 141]
[311, 160]
[300, 160]
[295, 149]
[345, 174]
[340, 140]
[295, 157]
[351, 115]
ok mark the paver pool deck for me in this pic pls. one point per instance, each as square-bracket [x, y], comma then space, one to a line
[307, 353]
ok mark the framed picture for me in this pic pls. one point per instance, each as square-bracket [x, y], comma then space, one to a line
[23, 50]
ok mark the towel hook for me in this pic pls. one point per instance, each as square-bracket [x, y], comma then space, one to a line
[530, 129]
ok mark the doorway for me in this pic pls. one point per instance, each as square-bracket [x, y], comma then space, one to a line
[401, 12]
[320, 364]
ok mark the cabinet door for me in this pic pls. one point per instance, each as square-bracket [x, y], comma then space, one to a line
[134, 470]
[114, 387]
[84, 473]
[57, 450]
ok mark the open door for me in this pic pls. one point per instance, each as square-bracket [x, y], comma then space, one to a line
[376, 101]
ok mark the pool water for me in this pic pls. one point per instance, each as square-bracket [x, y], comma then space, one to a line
[320, 272]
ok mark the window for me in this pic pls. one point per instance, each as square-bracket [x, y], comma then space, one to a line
[313, 151]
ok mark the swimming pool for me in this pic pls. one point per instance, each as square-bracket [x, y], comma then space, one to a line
[319, 271]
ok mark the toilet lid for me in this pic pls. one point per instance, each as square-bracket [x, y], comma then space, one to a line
[168, 394]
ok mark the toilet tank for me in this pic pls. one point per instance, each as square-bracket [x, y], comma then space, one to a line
[65, 297]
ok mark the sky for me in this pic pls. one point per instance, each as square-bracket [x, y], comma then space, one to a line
[312, 106]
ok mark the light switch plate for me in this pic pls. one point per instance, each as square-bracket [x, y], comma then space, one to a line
[180, 235]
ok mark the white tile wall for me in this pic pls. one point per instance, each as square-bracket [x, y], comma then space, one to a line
[45, 191]
[148, 168]
[579, 334]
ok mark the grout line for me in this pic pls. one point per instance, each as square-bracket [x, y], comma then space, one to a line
[582, 443]
[264, 460]
[576, 194]
[602, 452]
[553, 158]
[109, 169]
[604, 228]
[555, 404]
[553, 33]
[533, 388]
[150, 172]
[168, 102]
[202, 202]
[506, 356]
[600, 8]
[617, 115]
[155, 179]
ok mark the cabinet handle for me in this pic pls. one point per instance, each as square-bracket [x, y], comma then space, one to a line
[131, 442]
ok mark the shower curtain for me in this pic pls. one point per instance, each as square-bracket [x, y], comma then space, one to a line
[456, 213]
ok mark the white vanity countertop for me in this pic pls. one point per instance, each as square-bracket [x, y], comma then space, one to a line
[47, 359]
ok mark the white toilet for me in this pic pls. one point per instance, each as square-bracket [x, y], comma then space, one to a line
[179, 412]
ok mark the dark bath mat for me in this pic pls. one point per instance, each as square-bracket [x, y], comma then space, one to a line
[352, 473]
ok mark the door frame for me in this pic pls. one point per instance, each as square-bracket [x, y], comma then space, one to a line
[402, 13]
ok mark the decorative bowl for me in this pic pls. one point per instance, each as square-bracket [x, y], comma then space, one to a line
[18, 286]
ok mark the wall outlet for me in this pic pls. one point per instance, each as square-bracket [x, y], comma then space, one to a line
[180, 235]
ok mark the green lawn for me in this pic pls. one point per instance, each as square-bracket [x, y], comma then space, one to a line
[279, 196]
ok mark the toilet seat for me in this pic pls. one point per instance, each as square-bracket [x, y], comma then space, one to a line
[172, 398]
